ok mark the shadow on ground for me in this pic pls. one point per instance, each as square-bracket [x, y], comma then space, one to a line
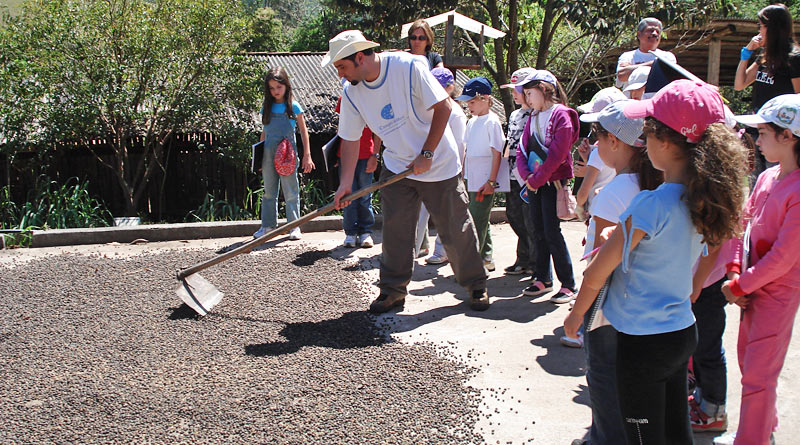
[352, 330]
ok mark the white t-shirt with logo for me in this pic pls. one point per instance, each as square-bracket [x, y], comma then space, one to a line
[636, 57]
[397, 107]
[484, 135]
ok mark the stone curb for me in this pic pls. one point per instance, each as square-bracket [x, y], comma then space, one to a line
[185, 231]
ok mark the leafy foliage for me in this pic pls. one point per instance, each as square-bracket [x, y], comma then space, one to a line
[266, 32]
[53, 206]
[131, 71]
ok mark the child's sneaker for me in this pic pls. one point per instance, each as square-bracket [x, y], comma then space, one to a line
[701, 421]
[538, 288]
[488, 263]
[564, 295]
[261, 231]
[365, 240]
[436, 259]
[349, 241]
[295, 234]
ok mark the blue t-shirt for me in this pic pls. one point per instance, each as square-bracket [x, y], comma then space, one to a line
[650, 289]
[281, 109]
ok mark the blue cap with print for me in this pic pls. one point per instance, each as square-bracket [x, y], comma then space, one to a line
[474, 87]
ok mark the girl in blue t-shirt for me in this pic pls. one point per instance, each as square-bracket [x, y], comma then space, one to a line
[661, 235]
[280, 123]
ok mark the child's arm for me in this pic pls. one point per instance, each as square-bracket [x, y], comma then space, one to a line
[778, 260]
[596, 274]
[487, 188]
[306, 163]
[704, 267]
[586, 185]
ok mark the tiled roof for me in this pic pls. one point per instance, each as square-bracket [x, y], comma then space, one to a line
[317, 89]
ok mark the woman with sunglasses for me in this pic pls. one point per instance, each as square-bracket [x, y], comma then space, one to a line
[420, 42]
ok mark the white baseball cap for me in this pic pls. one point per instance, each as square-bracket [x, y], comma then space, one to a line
[519, 76]
[638, 78]
[344, 44]
[613, 119]
[783, 111]
[601, 99]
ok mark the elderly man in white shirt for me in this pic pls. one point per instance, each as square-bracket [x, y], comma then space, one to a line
[648, 32]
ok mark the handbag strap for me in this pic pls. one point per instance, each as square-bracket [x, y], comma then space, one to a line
[533, 144]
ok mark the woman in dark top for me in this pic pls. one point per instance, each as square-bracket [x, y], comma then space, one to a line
[776, 70]
[420, 42]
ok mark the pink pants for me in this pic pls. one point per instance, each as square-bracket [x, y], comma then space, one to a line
[764, 334]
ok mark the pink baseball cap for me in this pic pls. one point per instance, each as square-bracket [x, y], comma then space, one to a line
[686, 106]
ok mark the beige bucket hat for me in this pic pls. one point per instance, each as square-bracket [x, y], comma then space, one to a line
[346, 43]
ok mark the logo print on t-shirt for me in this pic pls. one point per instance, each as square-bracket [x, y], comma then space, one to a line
[387, 112]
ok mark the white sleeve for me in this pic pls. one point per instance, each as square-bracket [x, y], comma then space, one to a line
[497, 139]
[595, 160]
[351, 124]
[626, 57]
[426, 88]
[458, 125]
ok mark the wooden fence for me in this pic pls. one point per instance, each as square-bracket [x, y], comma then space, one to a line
[191, 174]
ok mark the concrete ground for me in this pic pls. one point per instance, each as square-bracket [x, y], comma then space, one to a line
[533, 388]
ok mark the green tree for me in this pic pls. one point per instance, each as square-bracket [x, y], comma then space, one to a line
[134, 72]
[266, 32]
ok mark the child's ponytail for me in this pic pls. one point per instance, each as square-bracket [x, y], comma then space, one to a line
[715, 168]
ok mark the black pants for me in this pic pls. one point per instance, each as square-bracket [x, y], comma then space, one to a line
[519, 217]
[708, 360]
[652, 388]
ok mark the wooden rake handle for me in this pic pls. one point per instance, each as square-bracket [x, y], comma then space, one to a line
[183, 273]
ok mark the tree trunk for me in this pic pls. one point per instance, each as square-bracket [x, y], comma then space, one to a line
[501, 73]
[545, 35]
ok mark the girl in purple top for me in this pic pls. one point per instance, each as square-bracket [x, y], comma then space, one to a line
[550, 132]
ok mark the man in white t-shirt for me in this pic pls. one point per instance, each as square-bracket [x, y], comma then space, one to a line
[648, 32]
[396, 95]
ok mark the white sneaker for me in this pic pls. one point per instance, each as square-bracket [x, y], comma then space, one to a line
[261, 231]
[365, 240]
[725, 439]
[295, 234]
[349, 241]
[729, 438]
[436, 259]
[572, 342]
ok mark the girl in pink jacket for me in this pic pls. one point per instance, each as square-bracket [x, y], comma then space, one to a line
[765, 271]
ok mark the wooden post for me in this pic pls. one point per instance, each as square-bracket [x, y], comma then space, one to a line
[481, 48]
[714, 51]
[448, 40]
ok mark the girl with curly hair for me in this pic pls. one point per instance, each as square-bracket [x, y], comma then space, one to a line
[651, 252]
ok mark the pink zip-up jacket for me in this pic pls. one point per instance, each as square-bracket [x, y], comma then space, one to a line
[560, 135]
[774, 212]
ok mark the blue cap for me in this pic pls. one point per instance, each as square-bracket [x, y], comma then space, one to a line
[443, 75]
[475, 86]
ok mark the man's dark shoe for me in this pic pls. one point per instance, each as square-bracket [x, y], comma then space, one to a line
[479, 300]
[384, 302]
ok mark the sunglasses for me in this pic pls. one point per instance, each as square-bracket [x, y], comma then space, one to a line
[422, 38]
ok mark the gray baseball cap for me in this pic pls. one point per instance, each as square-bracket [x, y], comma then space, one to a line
[614, 121]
